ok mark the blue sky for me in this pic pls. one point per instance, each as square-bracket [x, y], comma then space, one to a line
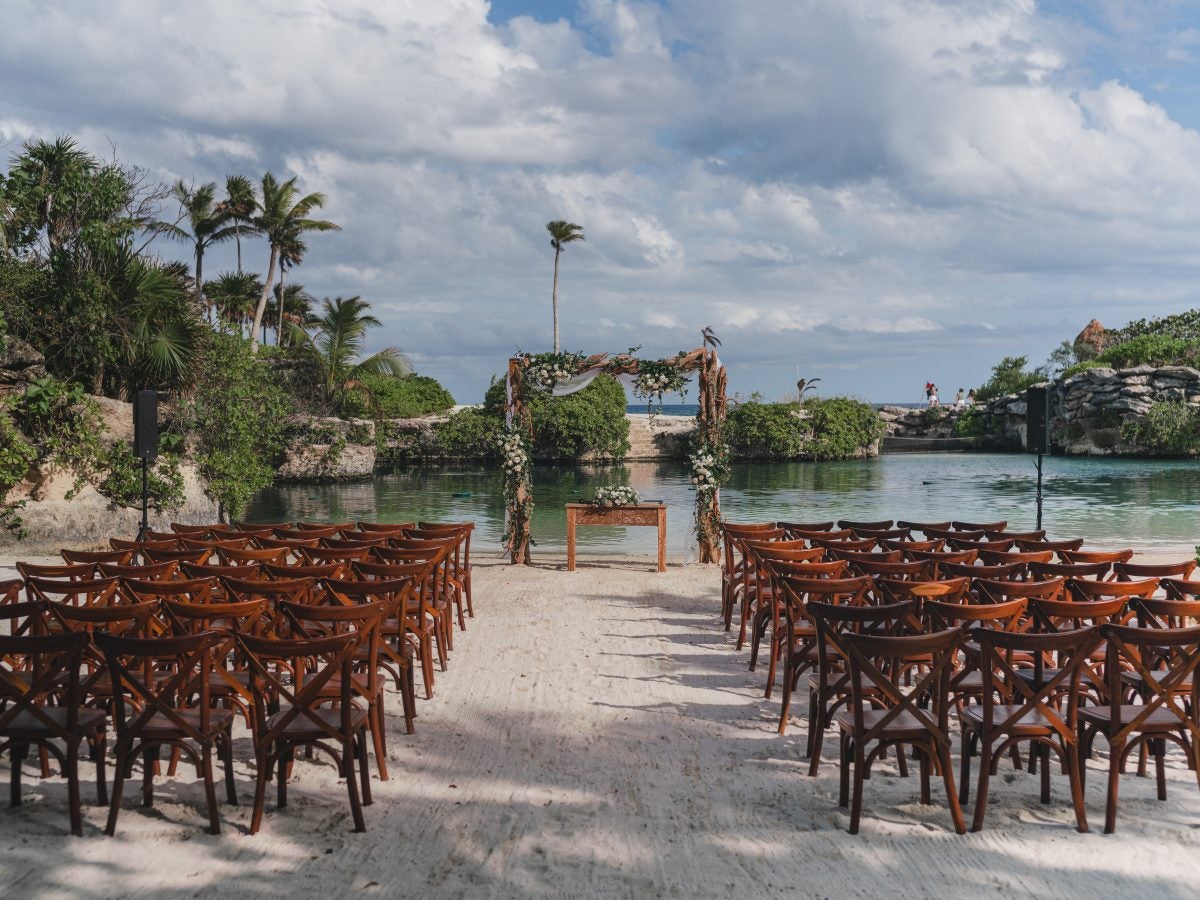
[876, 193]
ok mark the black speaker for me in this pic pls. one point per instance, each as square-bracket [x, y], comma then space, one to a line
[1037, 420]
[145, 425]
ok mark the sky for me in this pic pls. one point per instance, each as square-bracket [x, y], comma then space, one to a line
[874, 193]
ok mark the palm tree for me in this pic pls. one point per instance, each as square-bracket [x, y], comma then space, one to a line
[294, 306]
[291, 252]
[208, 222]
[561, 234]
[233, 296]
[337, 336]
[239, 204]
[42, 170]
[283, 217]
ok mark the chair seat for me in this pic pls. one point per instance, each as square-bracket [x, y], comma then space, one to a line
[904, 726]
[160, 726]
[1159, 720]
[1029, 677]
[1135, 679]
[302, 728]
[25, 726]
[1032, 724]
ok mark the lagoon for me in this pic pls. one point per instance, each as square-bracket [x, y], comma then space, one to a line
[1144, 504]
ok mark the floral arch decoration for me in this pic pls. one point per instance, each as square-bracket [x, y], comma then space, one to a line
[566, 373]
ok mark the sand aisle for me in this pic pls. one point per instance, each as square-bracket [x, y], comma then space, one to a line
[598, 736]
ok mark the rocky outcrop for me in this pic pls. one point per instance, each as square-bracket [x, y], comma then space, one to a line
[329, 449]
[20, 365]
[944, 428]
[1092, 337]
[88, 518]
[1091, 409]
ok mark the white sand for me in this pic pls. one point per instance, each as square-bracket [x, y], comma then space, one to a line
[598, 736]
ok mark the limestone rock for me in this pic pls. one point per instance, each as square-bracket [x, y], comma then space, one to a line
[20, 365]
[1091, 337]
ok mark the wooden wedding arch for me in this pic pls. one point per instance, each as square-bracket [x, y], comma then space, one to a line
[708, 459]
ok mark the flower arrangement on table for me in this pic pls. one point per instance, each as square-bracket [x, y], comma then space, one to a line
[613, 497]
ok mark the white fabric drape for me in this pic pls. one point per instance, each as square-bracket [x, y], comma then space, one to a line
[576, 383]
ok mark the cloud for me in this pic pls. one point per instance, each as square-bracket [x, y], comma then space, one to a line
[881, 192]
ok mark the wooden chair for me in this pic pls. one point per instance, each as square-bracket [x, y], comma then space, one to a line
[321, 571]
[163, 717]
[303, 717]
[852, 545]
[759, 603]
[980, 526]
[1027, 537]
[829, 689]
[998, 591]
[1160, 717]
[950, 534]
[232, 556]
[449, 585]
[388, 528]
[1095, 571]
[164, 571]
[770, 614]
[71, 572]
[797, 534]
[1086, 556]
[806, 526]
[364, 543]
[880, 525]
[896, 590]
[918, 718]
[290, 590]
[998, 546]
[261, 527]
[994, 558]
[867, 557]
[936, 558]
[193, 543]
[291, 545]
[923, 527]
[461, 560]
[95, 592]
[199, 532]
[734, 560]
[884, 534]
[363, 621]
[1129, 571]
[1056, 546]
[424, 620]
[395, 649]
[966, 684]
[137, 548]
[292, 534]
[195, 557]
[915, 570]
[1006, 572]
[10, 590]
[315, 556]
[1180, 588]
[95, 557]
[243, 572]
[40, 708]
[904, 546]
[1028, 710]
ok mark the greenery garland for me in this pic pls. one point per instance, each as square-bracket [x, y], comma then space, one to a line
[545, 370]
[709, 466]
[514, 450]
[656, 377]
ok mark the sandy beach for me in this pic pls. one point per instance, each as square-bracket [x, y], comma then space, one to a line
[598, 736]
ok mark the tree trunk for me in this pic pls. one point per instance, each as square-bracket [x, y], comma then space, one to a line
[200, 280]
[554, 297]
[282, 295]
[262, 302]
[237, 237]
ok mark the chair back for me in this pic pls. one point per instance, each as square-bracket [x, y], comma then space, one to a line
[1085, 556]
[923, 527]
[1005, 572]
[1167, 660]
[1039, 570]
[1131, 571]
[95, 592]
[75, 557]
[980, 526]
[878, 525]
[163, 571]
[71, 572]
[997, 591]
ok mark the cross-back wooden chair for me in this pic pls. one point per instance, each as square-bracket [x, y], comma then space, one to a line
[884, 534]
[251, 556]
[881, 715]
[291, 545]
[395, 649]
[868, 557]
[734, 560]
[829, 688]
[948, 590]
[447, 590]
[245, 572]
[1015, 710]
[95, 557]
[10, 590]
[218, 544]
[315, 556]
[990, 590]
[193, 531]
[1169, 710]
[95, 592]
[985, 527]
[295, 672]
[966, 683]
[69, 572]
[904, 546]
[1056, 546]
[1005, 572]
[153, 572]
[1095, 571]
[39, 707]
[461, 560]
[424, 620]
[999, 558]
[274, 571]
[807, 526]
[261, 527]
[195, 557]
[771, 615]
[913, 570]
[363, 621]
[138, 548]
[852, 545]
[1086, 556]
[184, 590]
[289, 590]
[998, 546]
[795, 533]
[301, 534]
[362, 542]
[392, 529]
[937, 558]
[877, 525]
[759, 603]
[952, 534]
[163, 715]
[1180, 588]
[1027, 537]
[1133, 571]
[923, 527]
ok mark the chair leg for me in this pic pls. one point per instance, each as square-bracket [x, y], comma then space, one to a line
[262, 769]
[364, 768]
[816, 730]
[227, 760]
[281, 777]
[378, 737]
[210, 789]
[74, 804]
[923, 762]
[427, 666]
[120, 773]
[99, 750]
[1044, 752]
[787, 696]
[19, 752]
[1075, 765]
[860, 766]
[149, 761]
[408, 697]
[947, 766]
[1115, 752]
[964, 773]
[772, 666]
[1159, 749]
[981, 789]
[352, 785]
[844, 771]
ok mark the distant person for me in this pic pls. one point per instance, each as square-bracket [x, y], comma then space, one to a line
[971, 397]
[929, 392]
[960, 399]
[933, 395]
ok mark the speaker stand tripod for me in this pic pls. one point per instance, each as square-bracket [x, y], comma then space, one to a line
[145, 526]
[1039, 492]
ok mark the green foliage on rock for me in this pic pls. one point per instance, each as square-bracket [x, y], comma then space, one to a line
[755, 430]
[391, 397]
[16, 456]
[1009, 376]
[842, 428]
[818, 429]
[1144, 349]
[238, 416]
[565, 428]
[122, 479]
[1170, 428]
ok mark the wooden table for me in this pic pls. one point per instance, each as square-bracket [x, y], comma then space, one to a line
[642, 514]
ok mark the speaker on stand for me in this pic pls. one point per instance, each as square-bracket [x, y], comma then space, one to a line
[145, 446]
[1037, 433]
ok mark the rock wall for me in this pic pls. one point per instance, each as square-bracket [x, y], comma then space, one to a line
[329, 449]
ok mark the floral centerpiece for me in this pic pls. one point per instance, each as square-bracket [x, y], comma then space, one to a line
[545, 370]
[655, 378]
[613, 497]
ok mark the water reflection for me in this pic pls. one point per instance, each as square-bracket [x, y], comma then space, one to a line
[1137, 503]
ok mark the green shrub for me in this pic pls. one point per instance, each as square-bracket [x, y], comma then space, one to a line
[971, 423]
[567, 427]
[16, 456]
[468, 434]
[755, 430]
[393, 397]
[841, 427]
[1009, 376]
[1170, 428]
[1145, 350]
[238, 416]
[122, 479]
[1184, 325]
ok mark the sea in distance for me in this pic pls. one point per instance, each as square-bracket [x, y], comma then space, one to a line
[1144, 504]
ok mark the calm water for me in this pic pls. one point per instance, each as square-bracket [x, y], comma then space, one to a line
[1143, 504]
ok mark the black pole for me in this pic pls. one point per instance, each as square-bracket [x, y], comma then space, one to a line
[146, 499]
[1039, 493]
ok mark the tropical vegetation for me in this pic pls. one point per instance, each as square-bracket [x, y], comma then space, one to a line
[562, 233]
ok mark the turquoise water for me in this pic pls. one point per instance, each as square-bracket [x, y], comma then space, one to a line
[1148, 505]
